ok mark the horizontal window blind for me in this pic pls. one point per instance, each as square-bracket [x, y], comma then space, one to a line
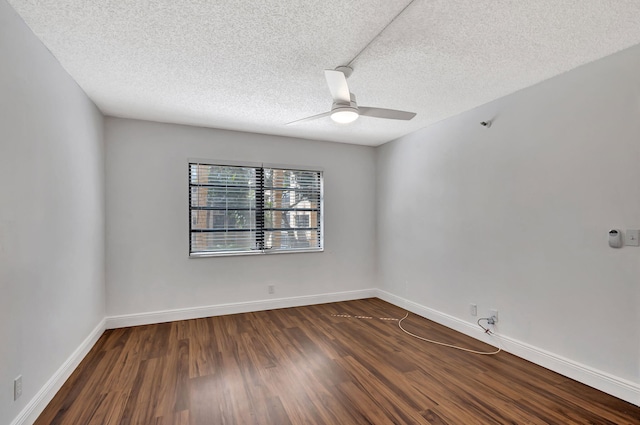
[291, 204]
[236, 209]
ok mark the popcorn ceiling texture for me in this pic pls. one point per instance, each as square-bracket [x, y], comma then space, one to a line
[256, 65]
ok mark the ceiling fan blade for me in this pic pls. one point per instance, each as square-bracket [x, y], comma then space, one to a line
[311, 118]
[338, 87]
[391, 114]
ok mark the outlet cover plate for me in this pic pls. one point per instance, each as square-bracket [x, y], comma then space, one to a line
[17, 387]
[631, 237]
[494, 313]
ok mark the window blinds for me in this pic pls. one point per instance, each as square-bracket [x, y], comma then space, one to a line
[239, 209]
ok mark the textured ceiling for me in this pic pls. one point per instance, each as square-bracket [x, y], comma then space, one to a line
[256, 65]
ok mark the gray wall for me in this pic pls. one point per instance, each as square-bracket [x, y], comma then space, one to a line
[517, 216]
[52, 292]
[148, 268]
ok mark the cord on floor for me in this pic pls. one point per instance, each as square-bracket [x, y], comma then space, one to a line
[488, 331]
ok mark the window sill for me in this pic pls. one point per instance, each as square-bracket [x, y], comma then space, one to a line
[238, 253]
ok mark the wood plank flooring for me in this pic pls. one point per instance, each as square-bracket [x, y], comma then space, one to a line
[338, 363]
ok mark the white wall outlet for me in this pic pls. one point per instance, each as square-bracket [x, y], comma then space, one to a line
[473, 309]
[271, 289]
[17, 387]
[494, 313]
[631, 237]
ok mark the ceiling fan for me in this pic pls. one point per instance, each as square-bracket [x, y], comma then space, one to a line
[345, 109]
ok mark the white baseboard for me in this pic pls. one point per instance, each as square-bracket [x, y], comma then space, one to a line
[34, 408]
[137, 319]
[603, 381]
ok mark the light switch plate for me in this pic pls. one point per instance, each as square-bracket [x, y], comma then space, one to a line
[631, 237]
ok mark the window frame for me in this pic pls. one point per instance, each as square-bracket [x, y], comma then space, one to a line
[267, 251]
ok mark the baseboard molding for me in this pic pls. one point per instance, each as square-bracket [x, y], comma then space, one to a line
[603, 381]
[137, 319]
[36, 405]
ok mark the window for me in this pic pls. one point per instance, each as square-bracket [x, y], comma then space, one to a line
[253, 210]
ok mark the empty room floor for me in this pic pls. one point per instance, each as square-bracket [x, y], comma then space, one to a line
[337, 363]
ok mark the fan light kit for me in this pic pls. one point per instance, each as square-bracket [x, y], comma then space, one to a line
[344, 115]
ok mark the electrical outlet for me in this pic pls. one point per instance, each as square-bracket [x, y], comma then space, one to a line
[17, 387]
[271, 289]
[473, 309]
[494, 313]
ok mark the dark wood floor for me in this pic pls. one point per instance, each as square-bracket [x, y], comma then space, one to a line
[339, 363]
